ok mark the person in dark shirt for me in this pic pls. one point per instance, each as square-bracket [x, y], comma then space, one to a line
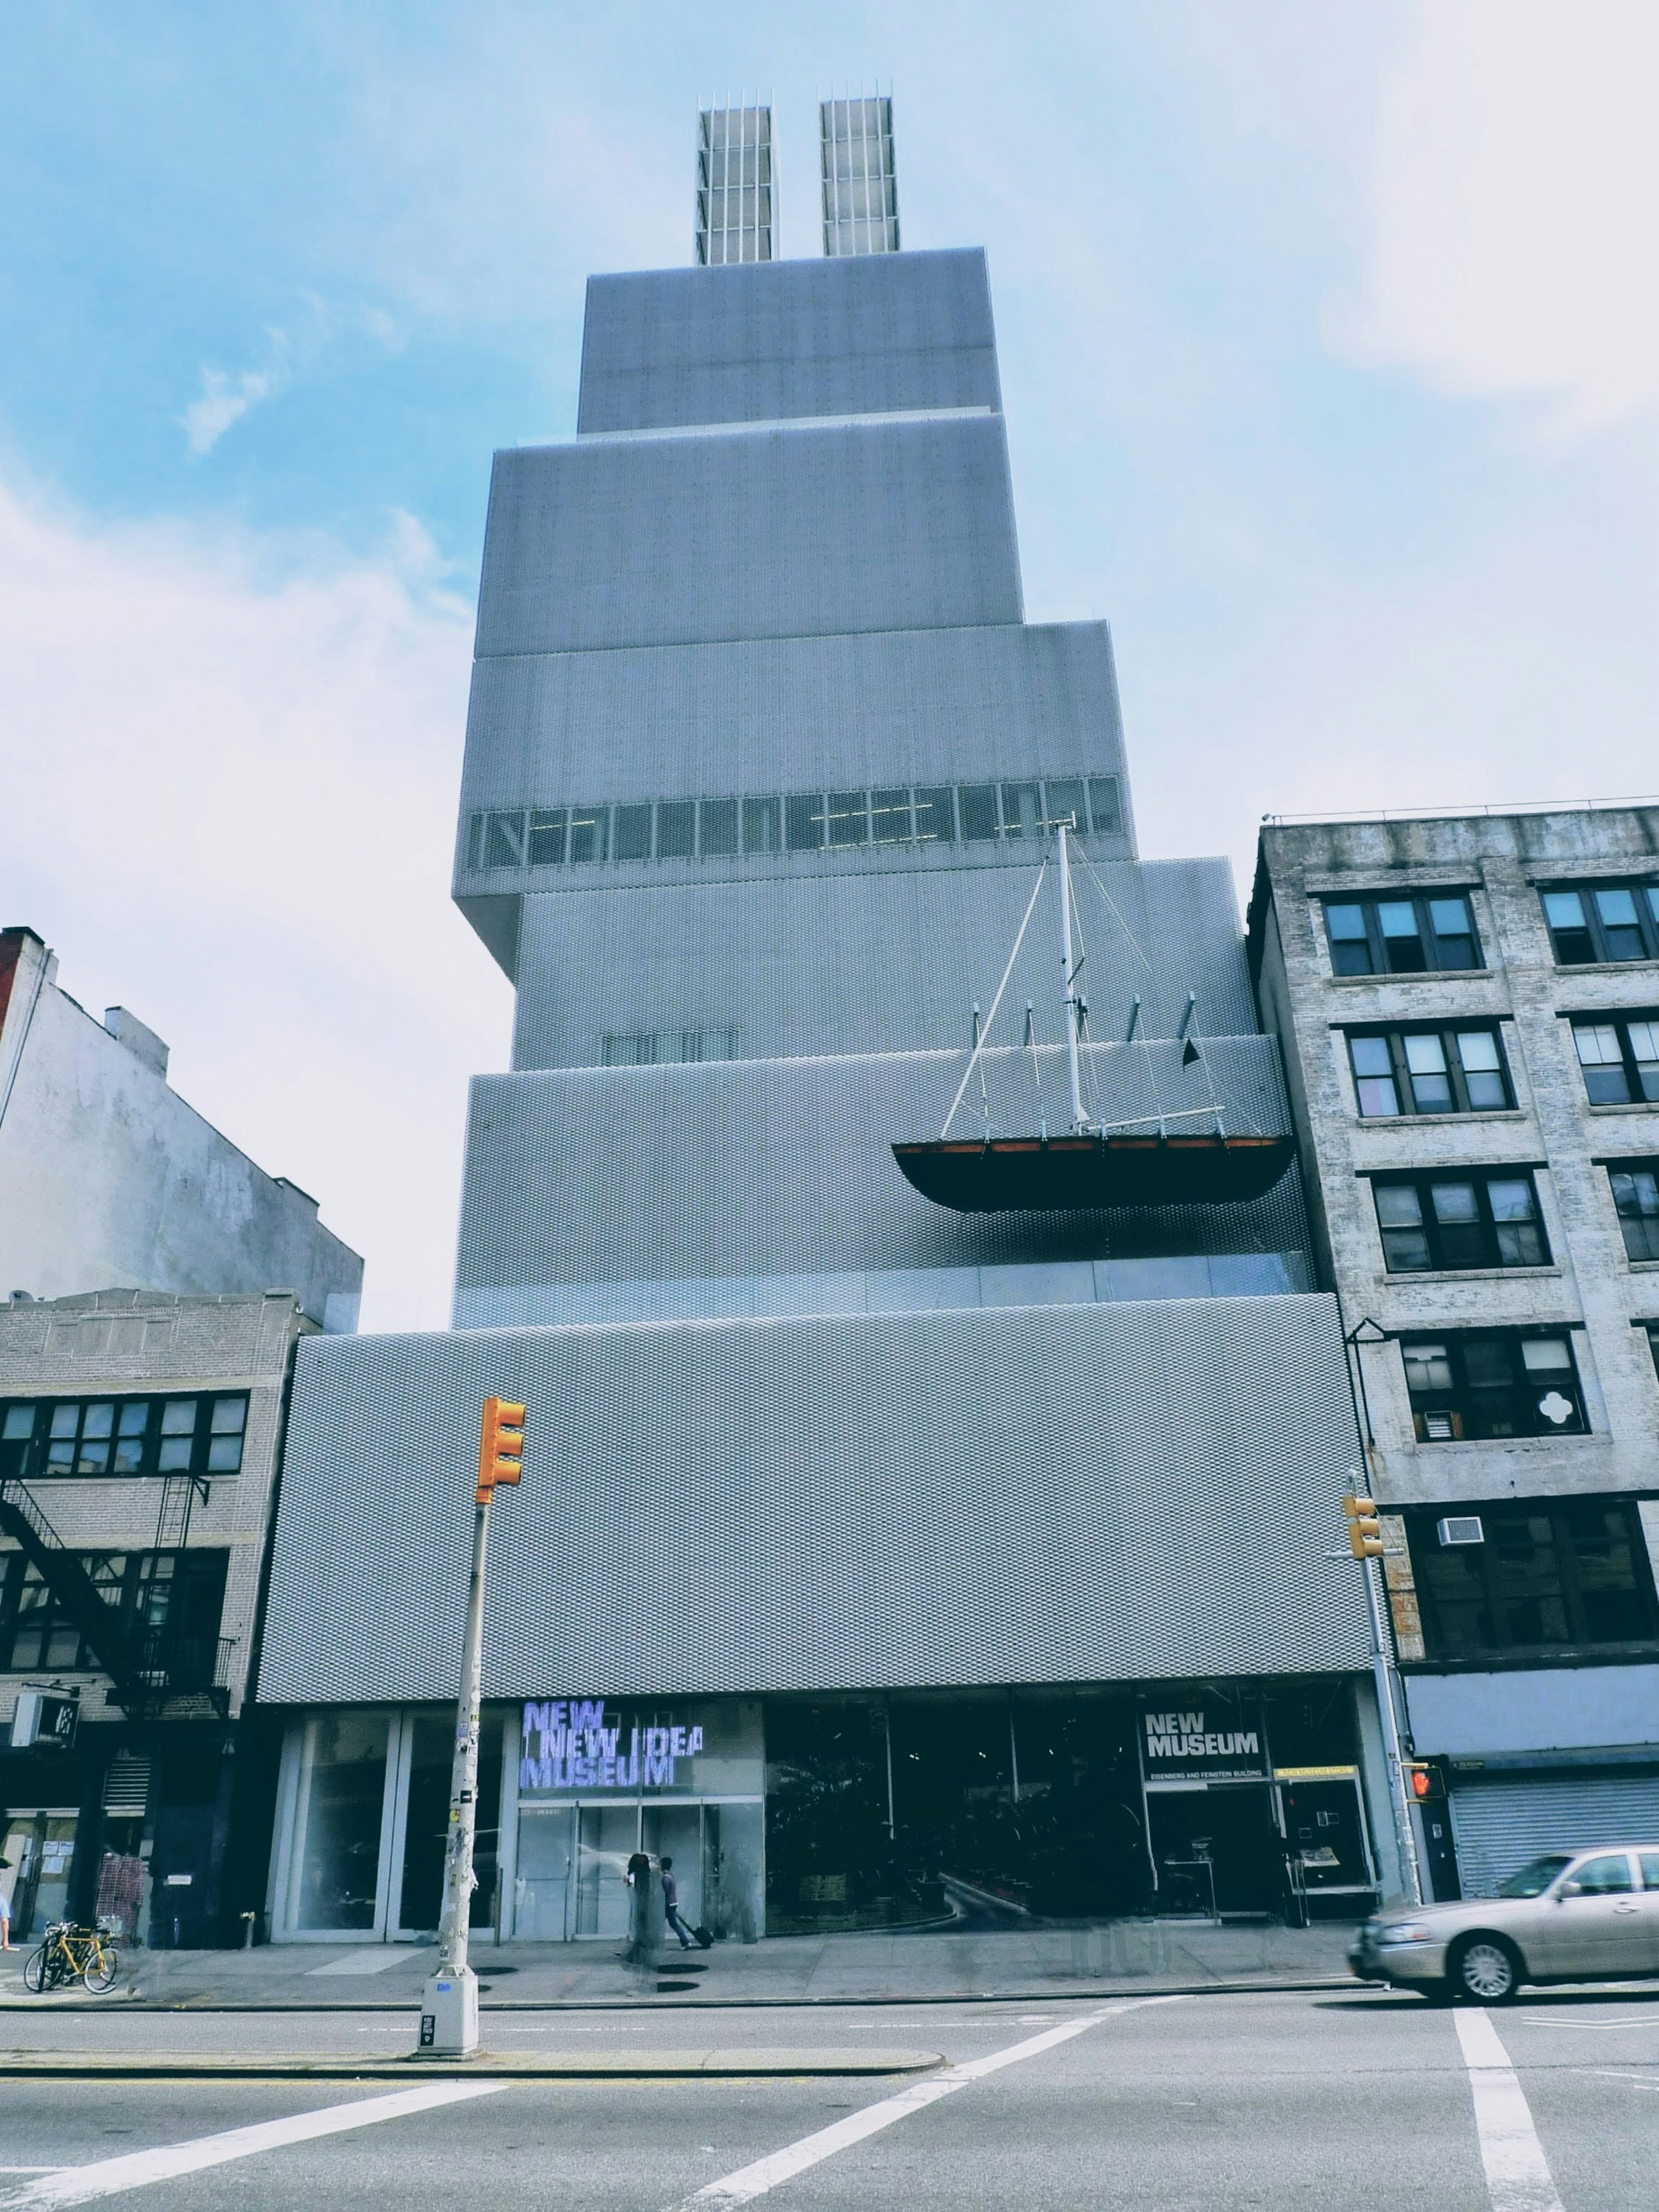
[671, 1905]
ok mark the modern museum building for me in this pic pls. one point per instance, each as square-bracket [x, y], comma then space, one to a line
[890, 1220]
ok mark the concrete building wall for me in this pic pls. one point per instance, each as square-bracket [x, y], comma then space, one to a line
[1589, 1286]
[109, 1178]
[127, 1344]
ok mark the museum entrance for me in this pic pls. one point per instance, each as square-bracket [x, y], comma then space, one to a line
[1216, 1849]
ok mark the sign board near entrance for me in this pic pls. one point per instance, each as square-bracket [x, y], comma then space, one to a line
[568, 1743]
[1199, 1744]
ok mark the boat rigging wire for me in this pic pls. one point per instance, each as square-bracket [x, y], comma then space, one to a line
[979, 1041]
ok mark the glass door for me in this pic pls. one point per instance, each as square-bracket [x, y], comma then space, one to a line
[543, 1895]
[339, 1818]
[605, 1838]
[676, 1832]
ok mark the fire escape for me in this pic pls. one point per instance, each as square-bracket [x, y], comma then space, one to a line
[148, 1667]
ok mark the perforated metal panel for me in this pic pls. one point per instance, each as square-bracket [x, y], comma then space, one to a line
[675, 346]
[1057, 1494]
[785, 1166]
[899, 523]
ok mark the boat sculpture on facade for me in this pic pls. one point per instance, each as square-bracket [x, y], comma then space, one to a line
[1093, 1162]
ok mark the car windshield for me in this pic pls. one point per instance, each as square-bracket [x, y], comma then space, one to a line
[1533, 1881]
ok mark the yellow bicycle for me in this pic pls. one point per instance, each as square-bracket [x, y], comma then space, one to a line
[72, 1954]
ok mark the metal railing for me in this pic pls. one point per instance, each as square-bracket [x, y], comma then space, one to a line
[1484, 811]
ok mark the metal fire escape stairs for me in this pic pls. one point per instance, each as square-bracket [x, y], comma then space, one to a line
[136, 1659]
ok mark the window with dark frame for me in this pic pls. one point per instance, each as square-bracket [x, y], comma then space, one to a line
[1473, 1385]
[1416, 934]
[1460, 1217]
[1636, 1201]
[1457, 1069]
[1547, 1573]
[53, 1439]
[1593, 923]
[176, 1598]
[1619, 1057]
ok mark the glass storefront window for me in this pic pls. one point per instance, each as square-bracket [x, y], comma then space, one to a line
[341, 1797]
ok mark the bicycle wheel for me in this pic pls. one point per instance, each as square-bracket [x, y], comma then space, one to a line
[100, 1971]
[35, 1972]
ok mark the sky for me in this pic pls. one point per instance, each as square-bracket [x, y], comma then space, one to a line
[1329, 342]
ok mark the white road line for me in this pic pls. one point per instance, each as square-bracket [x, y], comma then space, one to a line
[81, 2184]
[1639, 2081]
[1518, 2178]
[752, 2181]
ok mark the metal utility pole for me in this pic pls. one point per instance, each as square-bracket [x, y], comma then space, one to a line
[449, 2015]
[1365, 1542]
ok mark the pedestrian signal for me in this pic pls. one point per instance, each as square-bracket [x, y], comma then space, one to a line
[1365, 1530]
[1424, 1783]
[501, 1443]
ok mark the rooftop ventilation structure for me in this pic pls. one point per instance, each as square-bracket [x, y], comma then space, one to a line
[860, 191]
[737, 198]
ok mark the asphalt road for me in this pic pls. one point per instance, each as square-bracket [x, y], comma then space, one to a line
[1350, 2102]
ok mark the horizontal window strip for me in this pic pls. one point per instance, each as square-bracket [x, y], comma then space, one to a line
[537, 837]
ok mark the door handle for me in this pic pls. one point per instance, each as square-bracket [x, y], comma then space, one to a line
[1626, 1908]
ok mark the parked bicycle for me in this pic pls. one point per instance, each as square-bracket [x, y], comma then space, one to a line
[71, 1953]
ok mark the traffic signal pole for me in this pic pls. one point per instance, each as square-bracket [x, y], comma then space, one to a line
[1365, 1545]
[449, 2014]
[1383, 1666]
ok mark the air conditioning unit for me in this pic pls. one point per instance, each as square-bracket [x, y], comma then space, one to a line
[1461, 1529]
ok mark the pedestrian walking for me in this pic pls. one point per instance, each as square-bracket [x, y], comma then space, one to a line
[5, 1906]
[641, 1943]
[671, 1905]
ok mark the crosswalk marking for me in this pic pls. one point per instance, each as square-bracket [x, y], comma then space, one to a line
[752, 2181]
[1518, 2178]
[109, 2177]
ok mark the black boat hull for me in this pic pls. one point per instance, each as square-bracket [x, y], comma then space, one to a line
[1066, 1174]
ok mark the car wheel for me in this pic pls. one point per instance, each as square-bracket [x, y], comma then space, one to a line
[1486, 1970]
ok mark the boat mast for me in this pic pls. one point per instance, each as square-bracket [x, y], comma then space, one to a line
[1079, 1120]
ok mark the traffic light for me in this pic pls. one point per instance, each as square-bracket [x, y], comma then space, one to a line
[1365, 1530]
[1425, 1783]
[501, 1441]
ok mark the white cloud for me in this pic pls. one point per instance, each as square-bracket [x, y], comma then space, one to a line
[230, 805]
[1515, 212]
[224, 400]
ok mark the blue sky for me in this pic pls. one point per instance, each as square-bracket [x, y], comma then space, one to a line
[1330, 355]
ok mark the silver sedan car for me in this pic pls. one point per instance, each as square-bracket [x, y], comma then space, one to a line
[1569, 1916]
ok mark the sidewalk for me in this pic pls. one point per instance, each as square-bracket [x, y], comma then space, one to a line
[1129, 1957]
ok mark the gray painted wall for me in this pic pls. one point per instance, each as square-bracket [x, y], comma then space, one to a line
[109, 1180]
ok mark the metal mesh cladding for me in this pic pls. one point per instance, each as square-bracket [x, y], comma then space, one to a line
[769, 1167]
[1063, 1494]
[874, 962]
[902, 523]
[672, 347]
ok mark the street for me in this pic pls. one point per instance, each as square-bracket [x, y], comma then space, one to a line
[1338, 2098]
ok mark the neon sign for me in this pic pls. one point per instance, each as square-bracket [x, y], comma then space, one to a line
[566, 1743]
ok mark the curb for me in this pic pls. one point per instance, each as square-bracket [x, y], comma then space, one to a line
[584, 2066]
[1084, 1995]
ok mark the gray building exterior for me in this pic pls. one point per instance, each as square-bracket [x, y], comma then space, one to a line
[867, 1551]
[109, 1179]
[1469, 1012]
[140, 1438]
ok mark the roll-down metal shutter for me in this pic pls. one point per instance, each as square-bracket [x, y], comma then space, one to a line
[1501, 1824]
